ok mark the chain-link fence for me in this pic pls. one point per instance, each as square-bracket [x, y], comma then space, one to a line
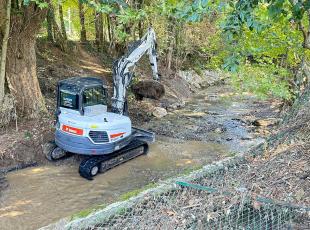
[192, 209]
[219, 196]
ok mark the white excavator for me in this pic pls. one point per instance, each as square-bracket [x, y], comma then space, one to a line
[85, 126]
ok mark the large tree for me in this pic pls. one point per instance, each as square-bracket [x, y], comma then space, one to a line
[26, 20]
[5, 24]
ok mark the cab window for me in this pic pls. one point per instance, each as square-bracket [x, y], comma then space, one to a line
[94, 96]
[69, 101]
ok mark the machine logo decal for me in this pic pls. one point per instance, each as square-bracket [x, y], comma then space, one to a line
[72, 130]
[115, 135]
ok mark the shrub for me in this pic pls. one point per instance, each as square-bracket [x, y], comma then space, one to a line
[263, 80]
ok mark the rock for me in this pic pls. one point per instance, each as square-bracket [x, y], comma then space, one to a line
[207, 78]
[176, 105]
[266, 122]
[211, 78]
[218, 130]
[191, 77]
[149, 89]
[194, 114]
[159, 112]
[211, 97]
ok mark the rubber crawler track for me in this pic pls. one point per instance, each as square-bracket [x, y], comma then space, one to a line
[123, 155]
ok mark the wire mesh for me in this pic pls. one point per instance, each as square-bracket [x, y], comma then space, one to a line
[217, 201]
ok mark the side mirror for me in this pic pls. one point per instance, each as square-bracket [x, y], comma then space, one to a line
[57, 113]
[81, 107]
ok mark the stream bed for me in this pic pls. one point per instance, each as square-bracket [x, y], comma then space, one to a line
[208, 128]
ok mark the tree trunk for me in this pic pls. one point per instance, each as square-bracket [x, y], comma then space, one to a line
[177, 42]
[21, 62]
[62, 22]
[140, 27]
[58, 38]
[109, 28]
[82, 22]
[99, 30]
[96, 19]
[4, 49]
[69, 22]
[15, 4]
[49, 19]
[171, 42]
[101, 35]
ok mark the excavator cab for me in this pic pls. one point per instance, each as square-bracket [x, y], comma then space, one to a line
[86, 95]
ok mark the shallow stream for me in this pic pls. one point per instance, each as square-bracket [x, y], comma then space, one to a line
[42, 195]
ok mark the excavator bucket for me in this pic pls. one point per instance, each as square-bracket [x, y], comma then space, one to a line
[148, 89]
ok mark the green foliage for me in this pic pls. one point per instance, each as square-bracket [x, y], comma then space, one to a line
[260, 37]
[242, 36]
[188, 11]
[40, 3]
[259, 17]
[128, 17]
[28, 135]
[263, 80]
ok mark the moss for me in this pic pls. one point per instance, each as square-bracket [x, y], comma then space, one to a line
[86, 212]
[230, 154]
[135, 192]
[188, 171]
[122, 211]
[28, 135]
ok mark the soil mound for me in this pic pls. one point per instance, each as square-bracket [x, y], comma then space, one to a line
[149, 89]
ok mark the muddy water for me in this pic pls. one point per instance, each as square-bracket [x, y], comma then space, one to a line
[41, 195]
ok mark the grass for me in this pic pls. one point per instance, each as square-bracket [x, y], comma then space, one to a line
[188, 171]
[231, 154]
[135, 192]
[28, 135]
[85, 212]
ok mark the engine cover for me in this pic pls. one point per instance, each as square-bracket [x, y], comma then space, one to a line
[95, 132]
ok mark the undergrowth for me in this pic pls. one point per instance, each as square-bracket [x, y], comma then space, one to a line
[263, 81]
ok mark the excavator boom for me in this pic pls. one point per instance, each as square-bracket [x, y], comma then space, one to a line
[122, 74]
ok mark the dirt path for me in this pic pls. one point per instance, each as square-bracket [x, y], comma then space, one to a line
[212, 125]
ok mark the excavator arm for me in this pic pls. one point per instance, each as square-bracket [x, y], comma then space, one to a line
[122, 74]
